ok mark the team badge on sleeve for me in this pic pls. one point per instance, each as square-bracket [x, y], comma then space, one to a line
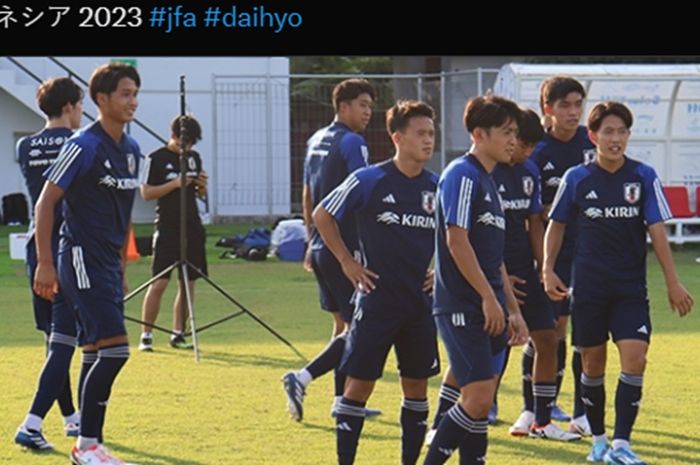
[131, 163]
[528, 185]
[428, 202]
[633, 191]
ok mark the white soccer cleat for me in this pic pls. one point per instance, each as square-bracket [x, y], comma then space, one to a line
[580, 426]
[94, 455]
[522, 425]
[553, 432]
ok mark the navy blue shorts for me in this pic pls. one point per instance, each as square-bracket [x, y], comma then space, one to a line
[472, 353]
[603, 308]
[49, 316]
[336, 292]
[537, 311]
[95, 294]
[373, 332]
[563, 307]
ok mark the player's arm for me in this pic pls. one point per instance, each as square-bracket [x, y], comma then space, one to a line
[327, 226]
[516, 325]
[462, 253]
[307, 207]
[679, 298]
[149, 192]
[201, 182]
[553, 238]
[45, 280]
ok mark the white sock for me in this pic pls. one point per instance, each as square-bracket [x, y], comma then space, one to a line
[33, 422]
[304, 377]
[618, 443]
[602, 438]
[336, 400]
[85, 443]
[146, 334]
[73, 418]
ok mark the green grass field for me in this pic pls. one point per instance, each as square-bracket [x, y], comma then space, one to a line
[230, 408]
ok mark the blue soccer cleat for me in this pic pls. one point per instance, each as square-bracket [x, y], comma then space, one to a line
[559, 415]
[32, 439]
[72, 430]
[622, 456]
[372, 412]
[295, 395]
[598, 451]
[492, 417]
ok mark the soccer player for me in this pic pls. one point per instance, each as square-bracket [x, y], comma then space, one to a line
[471, 284]
[96, 176]
[519, 186]
[332, 153]
[163, 183]
[565, 144]
[393, 204]
[61, 100]
[614, 202]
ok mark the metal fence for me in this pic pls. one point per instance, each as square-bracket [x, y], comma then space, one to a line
[261, 125]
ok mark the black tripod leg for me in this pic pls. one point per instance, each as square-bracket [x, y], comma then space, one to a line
[141, 288]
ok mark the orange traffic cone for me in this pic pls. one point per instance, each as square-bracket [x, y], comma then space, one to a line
[132, 253]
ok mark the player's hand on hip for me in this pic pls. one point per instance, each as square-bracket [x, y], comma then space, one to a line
[429, 281]
[680, 299]
[45, 281]
[554, 287]
[519, 295]
[517, 330]
[360, 277]
[494, 319]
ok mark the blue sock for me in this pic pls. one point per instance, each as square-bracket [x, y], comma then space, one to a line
[414, 413]
[577, 369]
[627, 398]
[472, 449]
[527, 364]
[348, 425]
[455, 425]
[98, 386]
[52, 379]
[593, 395]
[328, 359]
[449, 395]
[89, 359]
[65, 398]
[544, 396]
[339, 379]
[561, 364]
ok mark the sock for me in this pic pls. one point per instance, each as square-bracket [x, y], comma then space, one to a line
[577, 369]
[89, 359]
[414, 416]
[304, 377]
[146, 334]
[73, 418]
[472, 449]
[348, 425]
[593, 395]
[328, 359]
[453, 429]
[527, 364]
[449, 395]
[32, 422]
[544, 396]
[627, 399]
[618, 443]
[561, 365]
[65, 398]
[52, 379]
[97, 388]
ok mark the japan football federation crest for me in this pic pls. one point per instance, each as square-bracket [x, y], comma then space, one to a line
[588, 156]
[191, 163]
[633, 191]
[528, 185]
[131, 163]
[428, 202]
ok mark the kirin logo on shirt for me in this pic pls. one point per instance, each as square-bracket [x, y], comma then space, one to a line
[588, 156]
[528, 185]
[633, 191]
[428, 202]
[131, 162]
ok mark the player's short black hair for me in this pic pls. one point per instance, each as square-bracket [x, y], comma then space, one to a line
[399, 115]
[558, 87]
[53, 94]
[604, 109]
[490, 111]
[193, 131]
[530, 130]
[105, 78]
[350, 89]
